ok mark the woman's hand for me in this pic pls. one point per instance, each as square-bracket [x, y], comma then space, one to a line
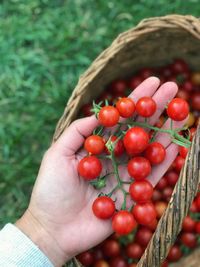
[59, 218]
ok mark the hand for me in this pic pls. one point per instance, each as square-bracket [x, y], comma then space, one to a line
[59, 218]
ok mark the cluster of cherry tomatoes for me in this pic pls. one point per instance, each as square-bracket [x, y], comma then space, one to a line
[141, 221]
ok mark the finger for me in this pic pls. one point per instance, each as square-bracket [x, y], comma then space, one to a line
[160, 170]
[73, 137]
[162, 96]
[147, 88]
[165, 138]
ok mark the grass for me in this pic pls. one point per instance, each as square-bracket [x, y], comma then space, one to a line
[44, 46]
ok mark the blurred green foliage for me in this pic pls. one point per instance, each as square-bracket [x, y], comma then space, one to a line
[44, 46]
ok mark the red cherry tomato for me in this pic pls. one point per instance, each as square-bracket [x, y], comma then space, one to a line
[171, 177]
[155, 153]
[103, 207]
[178, 109]
[141, 191]
[86, 258]
[188, 224]
[194, 207]
[101, 263]
[119, 146]
[192, 133]
[183, 94]
[174, 254]
[135, 81]
[162, 183]
[179, 162]
[94, 144]
[145, 73]
[134, 250]
[153, 225]
[198, 202]
[165, 264]
[195, 101]
[157, 195]
[108, 116]
[167, 193]
[197, 227]
[135, 140]
[118, 262]
[126, 107]
[179, 66]
[118, 87]
[139, 168]
[143, 236]
[89, 167]
[86, 110]
[111, 248]
[188, 86]
[123, 222]
[183, 151]
[189, 240]
[146, 106]
[144, 213]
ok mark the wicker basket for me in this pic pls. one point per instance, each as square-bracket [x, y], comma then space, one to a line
[153, 42]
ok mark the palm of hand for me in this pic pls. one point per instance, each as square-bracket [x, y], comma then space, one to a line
[62, 200]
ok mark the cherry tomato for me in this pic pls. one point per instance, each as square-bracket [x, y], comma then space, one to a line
[198, 202]
[153, 225]
[162, 183]
[179, 162]
[160, 207]
[118, 87]
[174, 254]
[111, 248]
[101, 263]
[144, 213]
[165, 264]
[94, 144]
[98, 254]
[155, 153]
[143, 236]
[167, 193]
[86, 258]
[108, 116]
[197, 227]
[123, 222]
[183, 94]
[179, 66]
[135, 81]
[196, 78]
[145, 73]
[166, 71]
[132, 265]
[119, 146]
[187, 86]
[190, 120]
[126, 107]
[188, 224]
[146, 106]
[194, 207]
[171, 177]
[178, 109]
[89, 167]
[189, 240]
[134, 251]
[118, 262]
[139, 168]
[86, 110]
[183, 151]
[135, 140]
[195, 101]
[141, 191]
[192, 132]
[103, 207]
[157, 195]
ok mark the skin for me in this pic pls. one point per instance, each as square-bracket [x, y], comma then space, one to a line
[59, 218]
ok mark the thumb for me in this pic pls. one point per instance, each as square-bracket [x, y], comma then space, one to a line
[73, 137]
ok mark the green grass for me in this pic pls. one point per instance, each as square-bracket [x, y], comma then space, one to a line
[44, 47]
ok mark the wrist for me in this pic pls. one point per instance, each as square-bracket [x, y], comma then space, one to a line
[40, 236]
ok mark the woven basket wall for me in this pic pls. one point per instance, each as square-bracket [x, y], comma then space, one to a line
[153, 42]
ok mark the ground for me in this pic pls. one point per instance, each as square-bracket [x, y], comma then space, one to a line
[44, 46]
